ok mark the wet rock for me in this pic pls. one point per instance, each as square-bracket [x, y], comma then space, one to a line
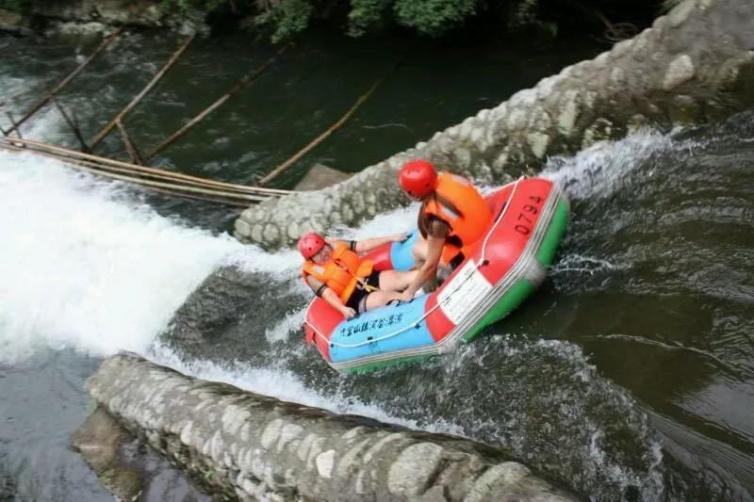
[601, 129]
[271, 450]
[127, 467]
[684, 110]
[321, 176]
[242, 228]
[679, 15]
[271, 235]
[680, 70]
[10, 22]
[225, 312]
[410, 474]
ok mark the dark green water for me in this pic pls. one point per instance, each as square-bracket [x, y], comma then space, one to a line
[629, 375]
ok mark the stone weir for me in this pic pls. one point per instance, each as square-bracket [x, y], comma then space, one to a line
[247, 446]
[693, 65]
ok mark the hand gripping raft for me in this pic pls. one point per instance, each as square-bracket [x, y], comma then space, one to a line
[503, 269]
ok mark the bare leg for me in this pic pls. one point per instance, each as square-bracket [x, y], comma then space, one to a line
[379, 298]
[394, 280]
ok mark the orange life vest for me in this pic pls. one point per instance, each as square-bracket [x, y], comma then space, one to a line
[469, 223]
[341, 273]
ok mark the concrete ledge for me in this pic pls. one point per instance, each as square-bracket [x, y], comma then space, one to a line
[249, 446]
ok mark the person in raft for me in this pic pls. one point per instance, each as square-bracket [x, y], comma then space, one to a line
[453, 216]
[336, 272]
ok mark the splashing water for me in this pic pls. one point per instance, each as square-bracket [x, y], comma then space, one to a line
[90, 269]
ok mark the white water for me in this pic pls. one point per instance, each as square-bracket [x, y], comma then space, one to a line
[85, 267]
[606, 167]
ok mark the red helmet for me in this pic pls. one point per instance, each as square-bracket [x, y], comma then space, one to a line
[418, 178]
[310, 244]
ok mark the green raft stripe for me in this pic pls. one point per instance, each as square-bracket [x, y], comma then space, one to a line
[523, 288]
[555, 232]
[510, 300]
[370, 367]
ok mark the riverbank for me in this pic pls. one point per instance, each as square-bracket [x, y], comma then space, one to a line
[454, 21]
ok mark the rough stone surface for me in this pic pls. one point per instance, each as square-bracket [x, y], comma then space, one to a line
[320, 176]
[127, 467]
[702, 52]
[681, 70]
[14, 23]
[250, 447]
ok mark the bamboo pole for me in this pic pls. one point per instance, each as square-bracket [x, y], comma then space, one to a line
[319, 139]
[216, 200]
[106, 169]
[246, 80]
[130, 147]
[130, 106]
[171, 186]
[181, 189]
[204, 198]
[6, 133]
[71, 124]
[59, 152]
[37, 106]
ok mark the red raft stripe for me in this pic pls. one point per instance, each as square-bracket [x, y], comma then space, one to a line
[505, 244]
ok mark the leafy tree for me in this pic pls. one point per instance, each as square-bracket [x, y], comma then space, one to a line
[433, 17]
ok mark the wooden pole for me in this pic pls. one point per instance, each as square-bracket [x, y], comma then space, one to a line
[65, 154]
[246, 80]
[159, 176]
[6, 133]
[171, 186]
[319, 139]
[239, 199]
[130, 106]
[37, 106]
[133, 152]
[216, 200]
[71, 124]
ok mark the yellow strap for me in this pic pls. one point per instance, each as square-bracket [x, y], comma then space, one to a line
[367, 287]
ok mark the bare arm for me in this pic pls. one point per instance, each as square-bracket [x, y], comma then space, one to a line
[330, 297]
[366, 245]
[437, 232]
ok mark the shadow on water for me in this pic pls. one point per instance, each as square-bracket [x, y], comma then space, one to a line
[628, 375]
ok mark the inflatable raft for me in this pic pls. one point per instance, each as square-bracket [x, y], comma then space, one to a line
[505, 267]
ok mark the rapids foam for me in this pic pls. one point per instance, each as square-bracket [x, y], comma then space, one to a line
[84, 265]
[606, 167]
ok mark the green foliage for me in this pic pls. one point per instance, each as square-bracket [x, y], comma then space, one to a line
[367, 16]
[286, 18]
[15, 5]
[433, 17]
[186, 5]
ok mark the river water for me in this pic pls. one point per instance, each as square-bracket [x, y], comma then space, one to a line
[629, 375]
